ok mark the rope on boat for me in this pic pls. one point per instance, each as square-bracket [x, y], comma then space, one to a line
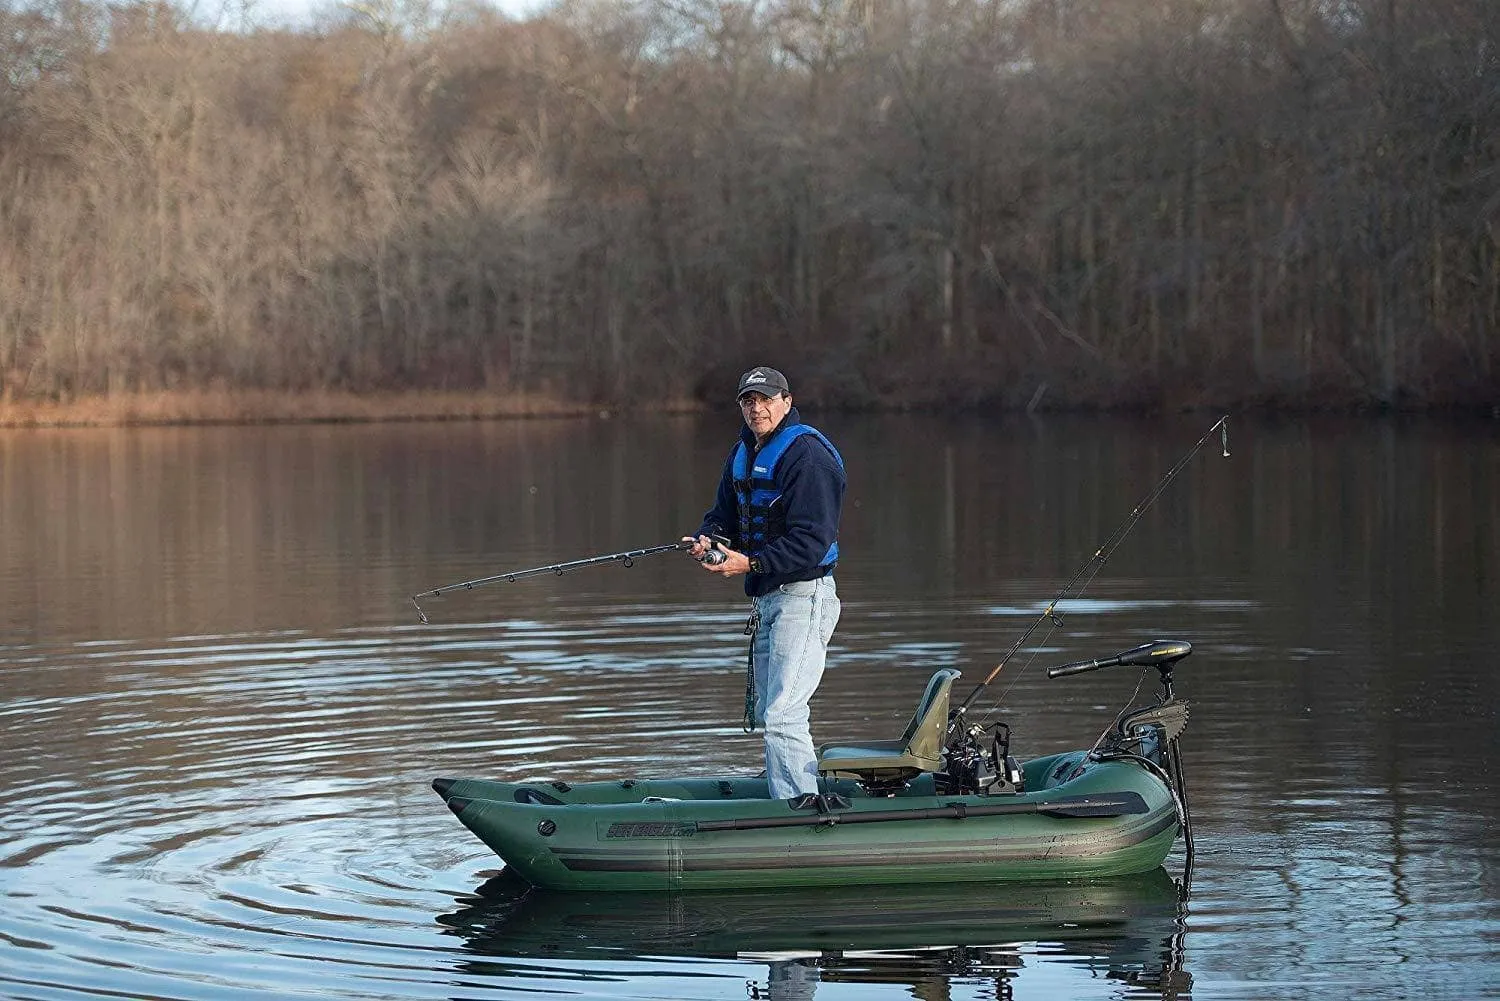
[752, 624]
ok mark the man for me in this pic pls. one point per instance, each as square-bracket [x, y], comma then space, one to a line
[778, 503]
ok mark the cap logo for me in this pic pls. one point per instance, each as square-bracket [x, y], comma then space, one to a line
[756, 376]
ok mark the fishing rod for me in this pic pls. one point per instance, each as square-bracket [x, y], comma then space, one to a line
[627, 558]
[1086, 573]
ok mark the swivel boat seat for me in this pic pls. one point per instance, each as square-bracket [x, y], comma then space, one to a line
[884, 767]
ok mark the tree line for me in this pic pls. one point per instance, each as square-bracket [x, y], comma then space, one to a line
[904, 202]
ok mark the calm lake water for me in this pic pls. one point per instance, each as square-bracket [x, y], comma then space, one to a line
[219, 715]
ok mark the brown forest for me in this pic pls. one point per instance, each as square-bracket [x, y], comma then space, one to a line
[918, 202]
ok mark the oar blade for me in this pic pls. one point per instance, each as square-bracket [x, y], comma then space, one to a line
[1114, 804]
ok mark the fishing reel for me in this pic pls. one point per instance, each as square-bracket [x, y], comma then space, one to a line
[980, 768]
[714, 555]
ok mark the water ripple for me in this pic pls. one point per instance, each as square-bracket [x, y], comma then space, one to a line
[247, 815]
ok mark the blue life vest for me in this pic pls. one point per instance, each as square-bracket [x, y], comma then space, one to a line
[756, 489]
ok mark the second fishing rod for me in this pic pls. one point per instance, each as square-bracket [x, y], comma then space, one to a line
[1090, 568]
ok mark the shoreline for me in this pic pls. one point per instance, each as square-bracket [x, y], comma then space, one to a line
[188, 408]
[210, 407]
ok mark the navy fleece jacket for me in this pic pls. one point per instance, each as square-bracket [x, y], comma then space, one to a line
[812, 497]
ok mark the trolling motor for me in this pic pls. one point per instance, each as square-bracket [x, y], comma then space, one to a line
[1148, 735]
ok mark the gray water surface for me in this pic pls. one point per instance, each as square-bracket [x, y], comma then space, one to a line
[219, 715]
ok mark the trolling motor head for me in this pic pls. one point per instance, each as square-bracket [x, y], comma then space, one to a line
[1160, 654]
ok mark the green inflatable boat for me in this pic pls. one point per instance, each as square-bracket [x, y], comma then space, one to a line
[942, 803]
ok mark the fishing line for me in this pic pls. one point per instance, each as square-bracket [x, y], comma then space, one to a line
[1084, 577]
[1140, 680]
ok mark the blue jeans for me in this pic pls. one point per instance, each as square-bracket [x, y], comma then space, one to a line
[791, 645]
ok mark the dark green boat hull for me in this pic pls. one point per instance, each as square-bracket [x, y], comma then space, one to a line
[606, 836]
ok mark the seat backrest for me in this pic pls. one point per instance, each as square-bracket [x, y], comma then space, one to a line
[924, 734]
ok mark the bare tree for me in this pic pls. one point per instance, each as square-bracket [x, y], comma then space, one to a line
[1099, 202]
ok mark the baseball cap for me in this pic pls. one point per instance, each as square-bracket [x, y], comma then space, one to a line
[763, 380]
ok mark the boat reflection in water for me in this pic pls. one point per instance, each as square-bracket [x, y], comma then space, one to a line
[1127, 932]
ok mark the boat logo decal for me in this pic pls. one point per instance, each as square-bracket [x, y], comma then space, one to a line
[650, 829]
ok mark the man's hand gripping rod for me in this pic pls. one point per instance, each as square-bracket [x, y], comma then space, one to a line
[1073, 588]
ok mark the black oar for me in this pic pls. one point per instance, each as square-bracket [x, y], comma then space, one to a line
[1117, 804]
